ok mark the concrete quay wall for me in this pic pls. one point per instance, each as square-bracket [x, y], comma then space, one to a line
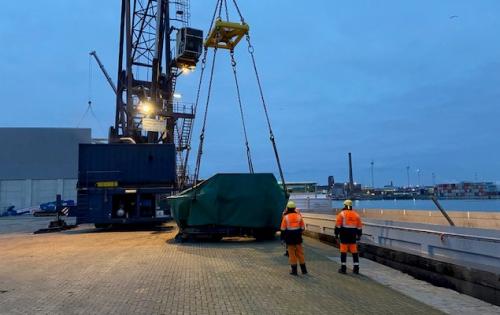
[472, 219]
[464, 259]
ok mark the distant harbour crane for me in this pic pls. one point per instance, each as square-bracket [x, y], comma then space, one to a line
[106, 74]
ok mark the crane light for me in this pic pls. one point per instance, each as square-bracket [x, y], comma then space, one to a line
[145, 107]
[187, 69]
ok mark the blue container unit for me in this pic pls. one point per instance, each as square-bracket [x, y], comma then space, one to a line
[124, 183]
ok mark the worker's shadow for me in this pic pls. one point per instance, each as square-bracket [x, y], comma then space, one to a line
[206, 247]
[217, 242]
[245, 251]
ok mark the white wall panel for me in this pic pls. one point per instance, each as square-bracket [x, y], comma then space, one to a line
[12, 192]
[29, 193]
[43, 190]
[69, 189]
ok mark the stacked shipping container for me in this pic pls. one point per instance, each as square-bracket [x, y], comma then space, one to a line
[468, 190]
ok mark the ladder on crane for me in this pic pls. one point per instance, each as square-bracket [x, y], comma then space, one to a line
[182, 11]
[183, 130]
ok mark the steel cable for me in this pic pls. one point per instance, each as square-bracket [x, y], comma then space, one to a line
[227, 11]
[203, 65]
[202, 135]
[249, 156]
[239, 12]
[188, 149]
[264, 105]
[213, 18]
[251, 50]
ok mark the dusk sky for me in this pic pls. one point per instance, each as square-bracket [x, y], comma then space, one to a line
[398, 82]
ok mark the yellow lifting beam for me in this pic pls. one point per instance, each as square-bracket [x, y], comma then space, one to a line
[226, 35]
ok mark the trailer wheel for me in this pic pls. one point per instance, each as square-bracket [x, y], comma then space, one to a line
[181, 237]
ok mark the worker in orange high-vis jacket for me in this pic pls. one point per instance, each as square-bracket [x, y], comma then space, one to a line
[292, 204]
[292, 226]
[348, 229]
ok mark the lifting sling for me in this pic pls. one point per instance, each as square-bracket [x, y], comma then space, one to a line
[227, 35]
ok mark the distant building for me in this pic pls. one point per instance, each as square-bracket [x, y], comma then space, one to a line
[38, 163]
[301, 187]
[467, 190]
[339, 190]
[323, 189]
[331, 181]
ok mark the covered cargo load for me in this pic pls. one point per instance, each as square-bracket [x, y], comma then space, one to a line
[231, 204]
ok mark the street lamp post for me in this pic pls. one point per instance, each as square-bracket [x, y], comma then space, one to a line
[408, 175]
[373, 180]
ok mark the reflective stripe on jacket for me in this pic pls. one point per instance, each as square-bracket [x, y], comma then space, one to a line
[292, 221]
[348, 219]
[348, 226]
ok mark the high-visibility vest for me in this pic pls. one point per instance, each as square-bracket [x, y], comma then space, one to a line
[349, 219]
[292, 221]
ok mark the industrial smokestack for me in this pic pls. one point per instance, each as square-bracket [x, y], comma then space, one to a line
[351, 179]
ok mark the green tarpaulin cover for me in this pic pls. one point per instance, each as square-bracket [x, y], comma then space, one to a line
[234, 200]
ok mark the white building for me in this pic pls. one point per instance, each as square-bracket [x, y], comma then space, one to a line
[38, 163]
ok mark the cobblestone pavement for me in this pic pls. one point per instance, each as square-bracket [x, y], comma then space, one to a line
[86, 271]
[446, 300]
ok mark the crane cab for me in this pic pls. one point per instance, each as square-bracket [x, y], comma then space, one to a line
[189, 47]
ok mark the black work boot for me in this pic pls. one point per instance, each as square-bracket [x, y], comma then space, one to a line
[303, 269]
[355, 270]
[355, 260]
[343, 269]
[294, 270]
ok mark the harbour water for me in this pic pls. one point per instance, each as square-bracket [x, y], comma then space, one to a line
[450, 205]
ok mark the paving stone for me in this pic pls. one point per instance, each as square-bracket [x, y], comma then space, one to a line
[86, 271]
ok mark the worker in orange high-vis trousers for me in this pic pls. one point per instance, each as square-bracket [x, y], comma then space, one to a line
[348, 229]
[290, 204]
[292, 226]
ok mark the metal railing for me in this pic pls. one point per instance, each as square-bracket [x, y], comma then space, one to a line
[460, 245]
[439, 233]
[183, 108]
